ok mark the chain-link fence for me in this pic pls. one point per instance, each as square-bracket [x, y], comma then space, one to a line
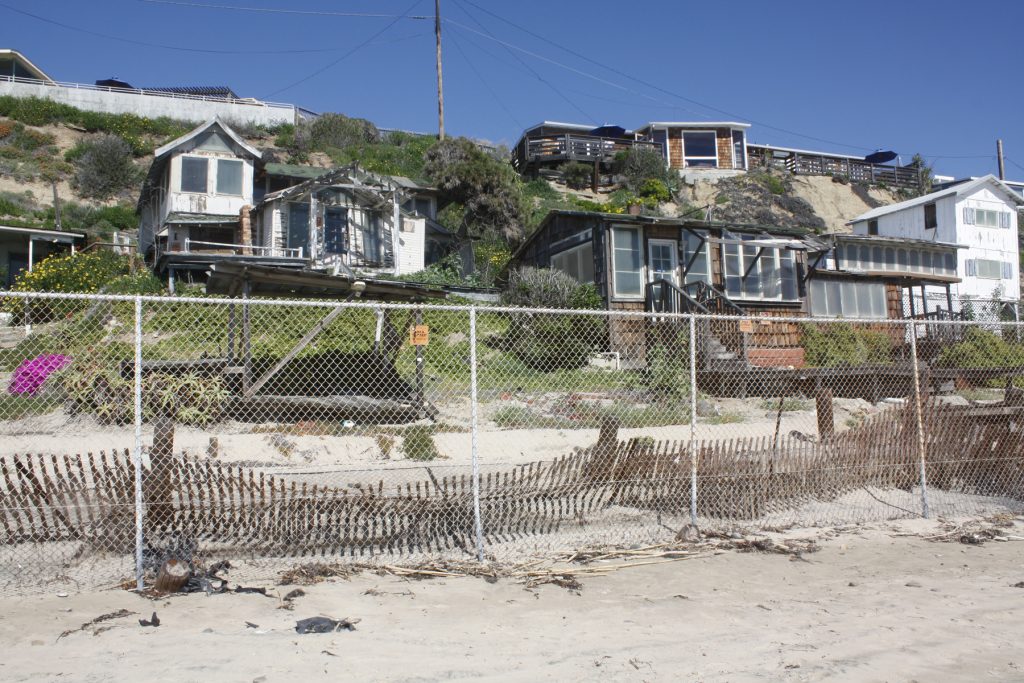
[134, 430]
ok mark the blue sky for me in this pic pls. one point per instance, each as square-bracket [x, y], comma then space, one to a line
[941, 78]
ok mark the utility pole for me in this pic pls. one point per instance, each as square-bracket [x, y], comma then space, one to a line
[56, 207]
[999, 157]
[440, 84]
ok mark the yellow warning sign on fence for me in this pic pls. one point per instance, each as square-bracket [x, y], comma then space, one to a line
[419, 335]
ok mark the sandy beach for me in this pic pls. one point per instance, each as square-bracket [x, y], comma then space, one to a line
[876, 603]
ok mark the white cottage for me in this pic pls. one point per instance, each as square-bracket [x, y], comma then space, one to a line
[351, 220]
[980, 216]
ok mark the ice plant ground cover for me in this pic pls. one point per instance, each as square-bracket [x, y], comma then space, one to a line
[30, 376]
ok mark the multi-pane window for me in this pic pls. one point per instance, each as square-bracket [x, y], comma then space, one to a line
[627, 262]
[193, 174]
[700, 149]
[987, 218]
[837, 298]
[753, 272]
[663, 260]
[229, 176]
[695, 256]
[577, 262]
[897, 259]
[990, 269]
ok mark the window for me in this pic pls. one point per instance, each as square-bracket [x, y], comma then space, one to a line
[229, 177]
[700, 149]
[949, 264]
[835, 298]
[193, 174]
[739, 150]
[986, 218]
[695, 256]
[578, 262]
[931, 220]
[755, 273]
[873, 227]
[988, 269]
[627, 262]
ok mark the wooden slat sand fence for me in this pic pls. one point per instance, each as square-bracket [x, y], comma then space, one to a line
[90, 498]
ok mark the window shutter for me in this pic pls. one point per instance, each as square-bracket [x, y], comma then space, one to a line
[1004, 219]
[968, 215]
[1007, 270]
[970, 268]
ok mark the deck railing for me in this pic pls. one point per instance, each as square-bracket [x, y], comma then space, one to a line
[570, 147]
[142, 91]
[190, 246]
[814, 163]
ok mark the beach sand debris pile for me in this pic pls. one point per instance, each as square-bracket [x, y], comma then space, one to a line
[324, 625]
[998, 527]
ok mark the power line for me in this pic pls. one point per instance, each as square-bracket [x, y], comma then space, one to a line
[533, 71]
[655, 86]
[347, 54]
[275, 10]
[164, 46]
[486, 85]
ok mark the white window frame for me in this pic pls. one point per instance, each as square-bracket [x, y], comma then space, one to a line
[773, 253]
[977, 269]
[575, 252]
[994, 213]
[673, 246]
[614, 267]
[181, 174]
[687, 157]
[705, 248]
[820, 299]
[241, 181]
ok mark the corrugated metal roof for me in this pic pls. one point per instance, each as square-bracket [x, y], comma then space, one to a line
[295, 170]
[959, 190]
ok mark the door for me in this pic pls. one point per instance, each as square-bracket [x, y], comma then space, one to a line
[298, 227]
[663, 261]
[336, 230]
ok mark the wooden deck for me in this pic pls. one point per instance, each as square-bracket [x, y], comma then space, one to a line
[531, 153]
[813, 163]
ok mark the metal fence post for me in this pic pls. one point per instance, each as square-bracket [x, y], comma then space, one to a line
[138, 443]
[920, 419]
[693, 420]
[473, 436]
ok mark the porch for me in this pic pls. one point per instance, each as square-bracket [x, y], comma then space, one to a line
[857, 170]
[534, 152]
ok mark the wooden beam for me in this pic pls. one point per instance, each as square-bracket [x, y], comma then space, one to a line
[288, 357]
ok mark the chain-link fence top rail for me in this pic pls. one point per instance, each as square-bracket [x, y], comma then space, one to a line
[269, 430]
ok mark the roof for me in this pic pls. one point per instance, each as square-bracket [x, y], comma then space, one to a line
[221, 91]
[850, 237]
[183, 218]
[228, 278]
[960, 190]
[560, 124]
[58, 235]
[696, 124]
[364, 185]
[40, 74]
[817, 153]
[196, 132]
[295, 170]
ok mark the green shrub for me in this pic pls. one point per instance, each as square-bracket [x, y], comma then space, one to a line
[549, 341]
[418, 443]
[577, 175]
[641, 164]
[335, 131]
[981, 349]
[105, 168]
[835, 344]
[772, 182]
[142, 282]
[655, 189]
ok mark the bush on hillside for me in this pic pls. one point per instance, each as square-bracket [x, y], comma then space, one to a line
[547, 341]
[105, 168]
[487, 188]
[641, 164]
[981, 349]
[577, 175]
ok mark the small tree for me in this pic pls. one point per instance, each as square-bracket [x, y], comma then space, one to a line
[104, 167]
[577, 175]
[485, 187]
